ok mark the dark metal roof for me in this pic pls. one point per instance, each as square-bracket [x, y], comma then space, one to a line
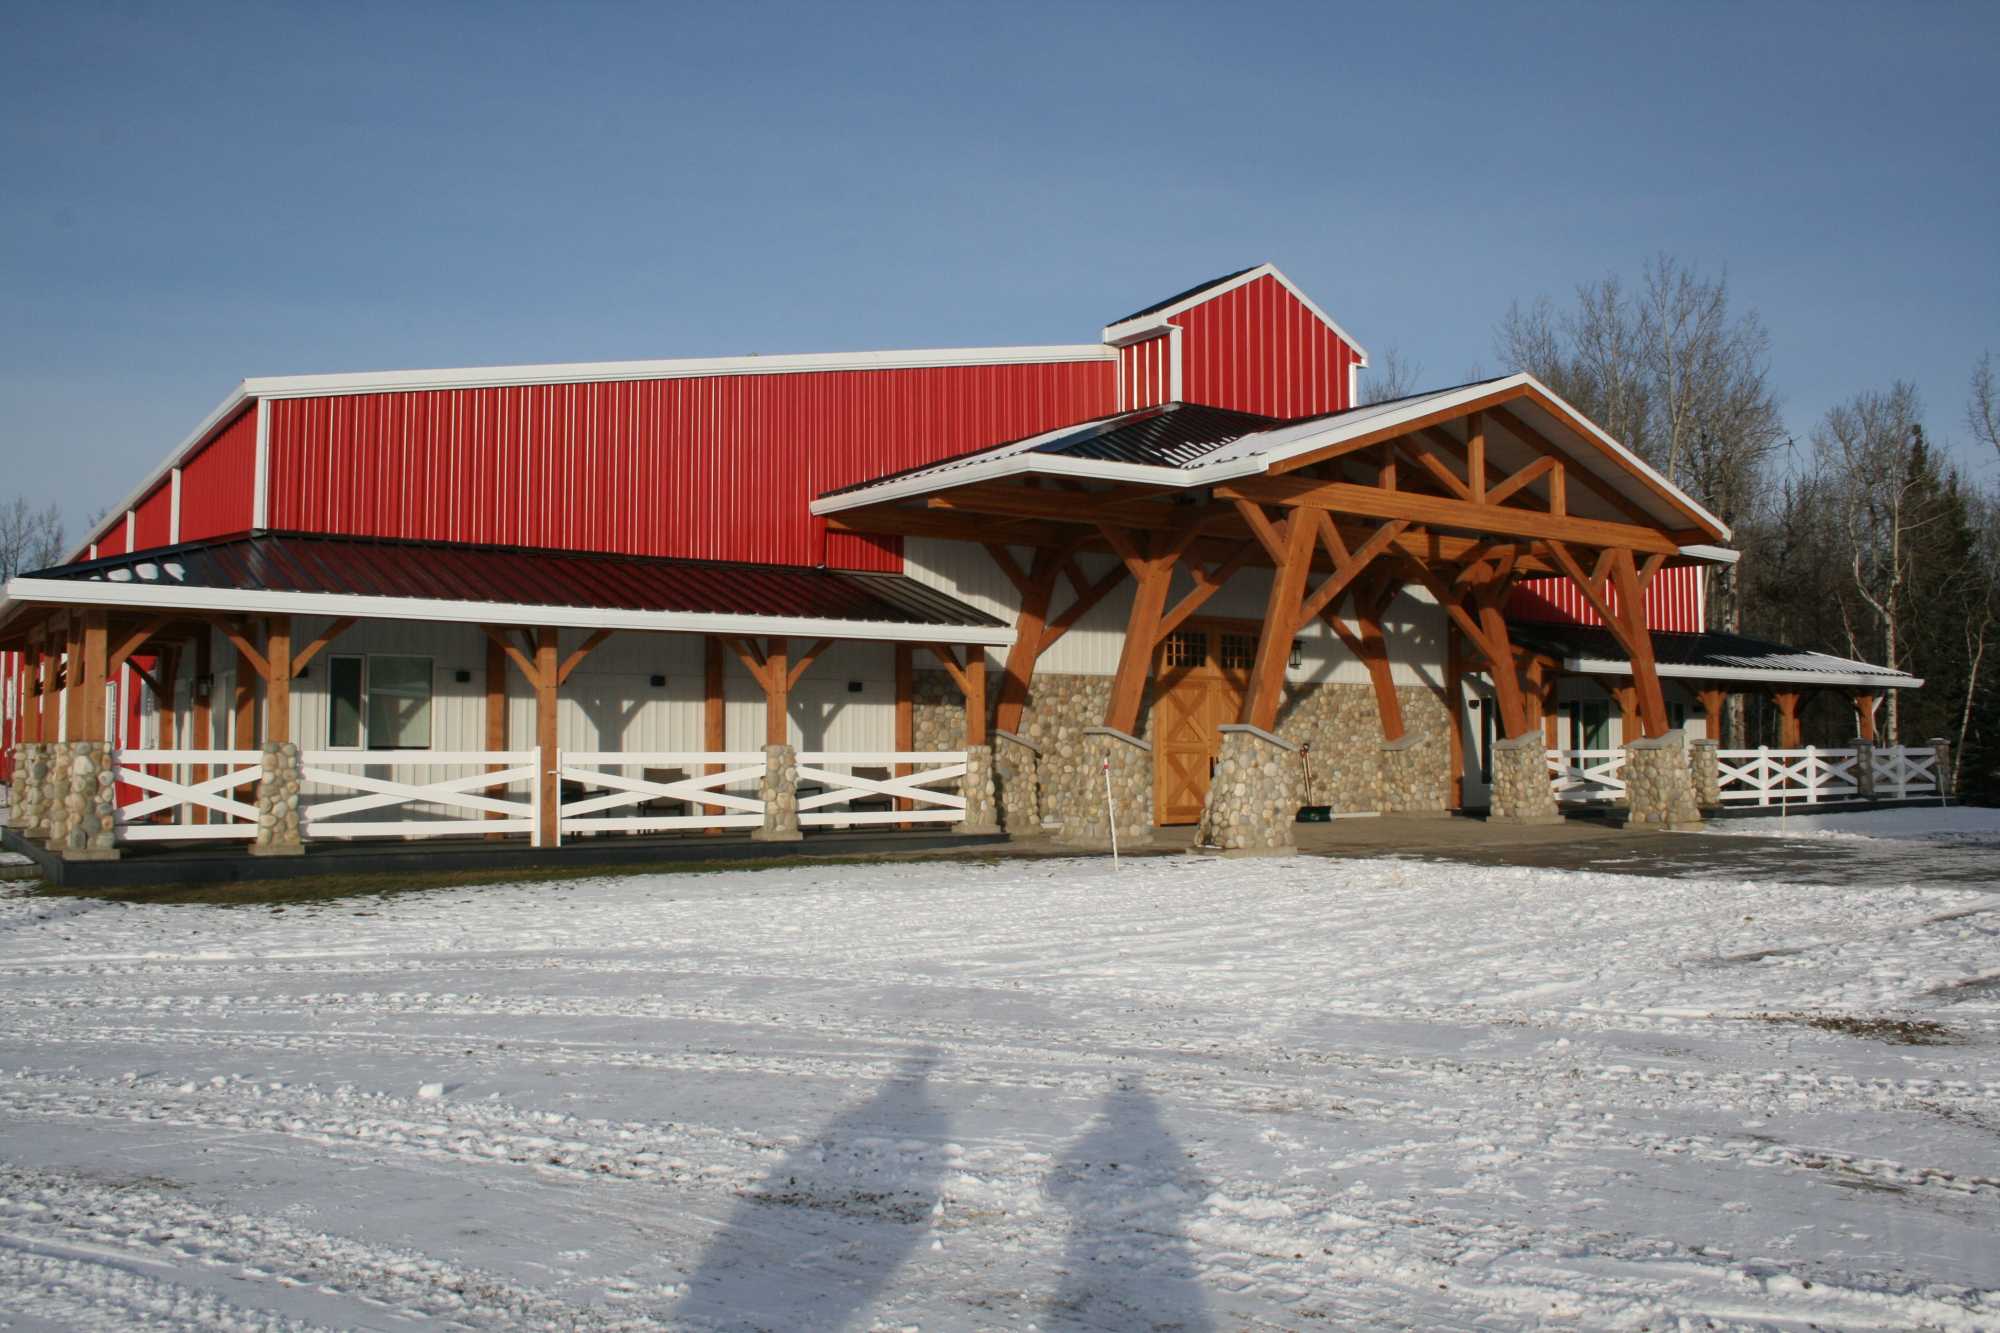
[1178, 297]
[1172, 435]
[1711, 651]
[524, 576]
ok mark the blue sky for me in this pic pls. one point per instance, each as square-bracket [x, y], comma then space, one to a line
[196, 194]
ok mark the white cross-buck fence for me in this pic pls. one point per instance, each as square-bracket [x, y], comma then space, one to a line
[196, 795]
[1808, 775]
[1581, 776]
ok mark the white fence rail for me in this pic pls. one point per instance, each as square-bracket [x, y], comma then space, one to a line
[1903, 772]
[1579, 776]
[665, 783]
[229, 817]
[332, 768]
[869, 790]
[1781, 777]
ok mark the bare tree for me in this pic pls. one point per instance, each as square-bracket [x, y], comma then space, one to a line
[30, 538]
[1590, 356]
[1395, 377]
[1866, 450]
[1982, 412]
[1979, 607]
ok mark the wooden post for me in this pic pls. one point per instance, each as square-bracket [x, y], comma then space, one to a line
[1714, 703]
[1281, 612]
[278, 686]
[1154, 573]
[1019, 671]
[975, 695]
[546, 735]
[777, 691]
[1370, 606]
[95, 650]
[201, 725]
[34, 691]
[1454, 699]
[714, 711]
[1788, 718]
[906, 722]
[1515, 721]
[72, 677]
[1652, 699]
[1627, 699]
[1864, 716]
[245, 704]
[496, 716]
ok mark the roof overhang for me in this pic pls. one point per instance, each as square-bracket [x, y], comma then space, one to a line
[1605, 666]
[1268, 451]
[24, 591]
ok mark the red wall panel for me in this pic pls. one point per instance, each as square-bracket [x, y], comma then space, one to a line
[217, 483]
[1145, 372]
[718, 467]
[1673, 602]
[1257, 348]
[112, 540]
[153, 517]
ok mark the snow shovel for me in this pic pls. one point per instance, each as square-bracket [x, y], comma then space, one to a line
[1312, 814]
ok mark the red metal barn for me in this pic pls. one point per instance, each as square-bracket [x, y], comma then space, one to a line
[567, 601]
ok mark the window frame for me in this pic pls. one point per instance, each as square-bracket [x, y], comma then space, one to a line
[364, 744]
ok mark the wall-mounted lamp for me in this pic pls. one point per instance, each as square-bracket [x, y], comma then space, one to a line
[204, 687]
[1298, 658]
[657, 682]
[854, 687]
[462, 676]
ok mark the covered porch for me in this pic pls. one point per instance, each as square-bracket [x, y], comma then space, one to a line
[279, 693]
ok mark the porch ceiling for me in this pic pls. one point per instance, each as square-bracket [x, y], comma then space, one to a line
[311, 574]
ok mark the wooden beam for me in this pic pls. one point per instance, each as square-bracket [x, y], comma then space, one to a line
[1437, 511]
[1527, 476]
[278, 684]
[246, 651]
[133, 641]
[496, 707]
[583, 650]
[714, 710]
[948, 656]
[522, 661]
[906, 721]
[1086, 600]
[975, 695]
[804, 660]
[96, 646]
[547, 734]
[1437, 470]
[777, 691]
[201, 723]
[1267, 534]
[1645, 673]
[1337, 582]
[1037, 591]
[1206, 585]
[1135, 657]
[1864, 715]
[1596, 485]
[1004, 559]
[1281, 618]
[303, 658]
[1475, 457]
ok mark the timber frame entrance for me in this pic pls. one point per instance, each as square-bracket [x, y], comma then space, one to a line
[1198, 686]
[1459, 494]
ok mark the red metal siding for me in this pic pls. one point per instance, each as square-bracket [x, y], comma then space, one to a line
[153, 518]
[1673, 602]
[1145, 372]
[112, 540]
[217, 483]
[717, 468]
[1257, 348]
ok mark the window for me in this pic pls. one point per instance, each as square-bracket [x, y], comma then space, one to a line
[1590, 725]
[1239, 651]
[1186, 648]
[379, 703]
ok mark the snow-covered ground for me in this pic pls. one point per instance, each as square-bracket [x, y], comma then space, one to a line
[1920, 823]
[1190, 1094]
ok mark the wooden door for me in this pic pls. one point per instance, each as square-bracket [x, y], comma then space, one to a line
[1199, 682]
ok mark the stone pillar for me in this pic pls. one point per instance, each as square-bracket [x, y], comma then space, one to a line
[1522, 793]
[1660, 784]
[278, 815]
[1409, 779]
[779, 791]
[1705, 772]
[1253, 797]
[1084, 818]
[55, 788]
[1017, 775]
[1947, 779]
[1864, 768]
[90, 805]
[982, 815]
[26, 812]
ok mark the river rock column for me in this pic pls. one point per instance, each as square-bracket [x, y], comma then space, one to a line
[1659, 783]
[90, 805]
[1522, 793]
[1864, 768]
[55, 790]
[1253, 796]
[278, 815]
[982, 814]
[1129, 761]
[1409, 773]
[779, 791]
[1705, 771]
[1946, 777]
[26, 812]
[1017, 776]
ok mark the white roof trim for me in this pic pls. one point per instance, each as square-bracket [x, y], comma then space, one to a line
[1131, 330]
[1297, 439]
[1720, 555]
[235, 600]
[1887, 680]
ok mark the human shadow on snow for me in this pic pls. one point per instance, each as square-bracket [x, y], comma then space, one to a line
[821, 1236]
[1128, 1188]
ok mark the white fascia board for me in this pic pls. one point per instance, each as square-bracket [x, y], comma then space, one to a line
[1713, 555]
[1600, 666]
[599, 372]
[1132, 330]
[226, 409]
[77, 592]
